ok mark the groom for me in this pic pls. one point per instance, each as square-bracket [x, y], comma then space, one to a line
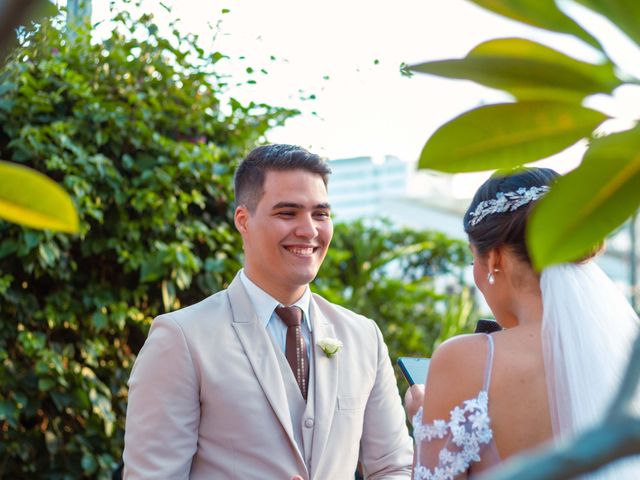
[239, 385]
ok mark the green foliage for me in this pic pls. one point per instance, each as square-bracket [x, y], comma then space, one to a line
[622, 13]
[410, 282]
[507, 135]
[27, 197]
[142, 132]
[599, 196]
[19, 12]
[31, 199]
[527, 70]
[613, 162]
[539, 13]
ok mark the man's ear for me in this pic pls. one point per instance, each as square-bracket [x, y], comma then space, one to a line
[241, 218]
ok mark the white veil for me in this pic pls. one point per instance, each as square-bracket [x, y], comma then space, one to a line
[588, 329]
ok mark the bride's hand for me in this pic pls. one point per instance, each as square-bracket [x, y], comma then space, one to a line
[413, 400]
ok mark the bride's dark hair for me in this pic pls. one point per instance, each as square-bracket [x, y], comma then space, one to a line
[506, 228]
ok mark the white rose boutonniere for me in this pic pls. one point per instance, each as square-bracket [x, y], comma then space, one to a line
[330, 346]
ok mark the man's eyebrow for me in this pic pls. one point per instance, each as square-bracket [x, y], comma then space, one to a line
[286, 205]
[323, 206]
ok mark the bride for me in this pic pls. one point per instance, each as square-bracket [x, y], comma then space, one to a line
[550, 373]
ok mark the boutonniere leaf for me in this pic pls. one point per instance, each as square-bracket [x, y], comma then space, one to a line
[330, 346]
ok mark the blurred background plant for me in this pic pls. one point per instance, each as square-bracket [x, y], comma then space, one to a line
[411, 282]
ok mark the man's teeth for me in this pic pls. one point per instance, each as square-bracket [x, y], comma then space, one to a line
[301, 251]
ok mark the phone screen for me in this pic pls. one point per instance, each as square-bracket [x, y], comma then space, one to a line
[414, 368]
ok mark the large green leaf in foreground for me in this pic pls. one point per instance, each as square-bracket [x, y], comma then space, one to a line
[588, 203]
[539, 13]
[507, 135]
[625, 14]
[527, 70]
[29, 198]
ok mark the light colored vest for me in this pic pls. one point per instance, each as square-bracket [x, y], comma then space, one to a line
[302, 413]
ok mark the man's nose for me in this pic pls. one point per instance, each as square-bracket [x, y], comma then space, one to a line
[307, 228]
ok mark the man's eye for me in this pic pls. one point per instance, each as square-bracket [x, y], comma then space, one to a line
[323, 214]
[286, 214]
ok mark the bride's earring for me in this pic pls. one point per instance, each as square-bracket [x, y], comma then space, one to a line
[491, 278]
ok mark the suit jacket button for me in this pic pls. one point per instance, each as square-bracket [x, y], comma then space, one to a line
[308, 422]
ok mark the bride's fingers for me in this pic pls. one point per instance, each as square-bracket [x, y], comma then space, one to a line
[413, 399]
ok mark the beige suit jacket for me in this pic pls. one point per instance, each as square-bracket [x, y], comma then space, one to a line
[207, 399]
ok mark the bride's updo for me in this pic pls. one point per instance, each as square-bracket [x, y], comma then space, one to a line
[487, 223]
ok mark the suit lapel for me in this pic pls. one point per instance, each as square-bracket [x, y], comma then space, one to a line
[259, 350]
[326, 384]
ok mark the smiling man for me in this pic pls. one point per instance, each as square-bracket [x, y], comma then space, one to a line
[266, 380]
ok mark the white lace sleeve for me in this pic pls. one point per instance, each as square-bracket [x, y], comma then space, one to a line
[444, 449]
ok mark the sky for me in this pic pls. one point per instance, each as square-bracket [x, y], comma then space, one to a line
[347, 55]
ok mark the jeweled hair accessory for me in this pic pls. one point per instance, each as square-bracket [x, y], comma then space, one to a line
[506, 202]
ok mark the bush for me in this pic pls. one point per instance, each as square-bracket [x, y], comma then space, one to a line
[138, 133]
[410, 282]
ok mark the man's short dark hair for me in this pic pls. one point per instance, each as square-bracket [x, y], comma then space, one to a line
[250, 174]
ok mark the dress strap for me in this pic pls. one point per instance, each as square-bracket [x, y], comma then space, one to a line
[487, 370]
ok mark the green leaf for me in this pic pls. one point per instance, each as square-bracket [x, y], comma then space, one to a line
[49, 253]
[6, 105]
[507, 135]
[7, 247]
[88, 463]
[7, 86]
[539, 13]
[527, 70]
[589, 202]
[168, 295]
[45, 384]
[151, 269]
[7, 410]
[29, 198]
[52, 442]
[99, 320]
[624, 14]
[21, 399]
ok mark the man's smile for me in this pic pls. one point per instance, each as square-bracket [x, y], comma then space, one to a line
[303, 251]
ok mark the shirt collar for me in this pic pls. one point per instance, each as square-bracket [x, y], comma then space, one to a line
[264, 304]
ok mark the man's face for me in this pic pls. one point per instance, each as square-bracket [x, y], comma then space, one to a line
[287, 236]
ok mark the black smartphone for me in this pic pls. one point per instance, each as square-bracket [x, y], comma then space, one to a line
[487, 326]
[414, 369]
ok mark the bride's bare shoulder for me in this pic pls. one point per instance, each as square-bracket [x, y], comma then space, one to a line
[462, 351]
[456, 373]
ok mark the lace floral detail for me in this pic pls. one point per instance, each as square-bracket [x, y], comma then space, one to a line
[469, 428]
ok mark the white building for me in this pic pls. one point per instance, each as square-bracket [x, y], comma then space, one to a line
[360, 186]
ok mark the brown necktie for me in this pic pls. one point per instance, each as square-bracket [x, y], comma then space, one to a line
[296, 350]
